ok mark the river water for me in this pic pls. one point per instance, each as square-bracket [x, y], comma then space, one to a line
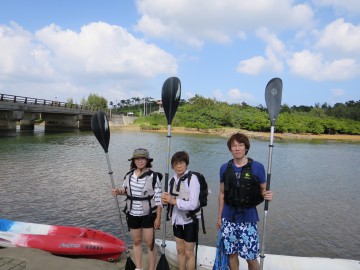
[63, 179]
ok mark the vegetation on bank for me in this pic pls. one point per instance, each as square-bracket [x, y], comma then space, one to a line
[203, 114]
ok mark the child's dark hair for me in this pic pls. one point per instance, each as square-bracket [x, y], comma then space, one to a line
[240, 138]
[178, 157]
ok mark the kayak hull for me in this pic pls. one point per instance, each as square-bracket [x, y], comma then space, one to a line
[61, 240]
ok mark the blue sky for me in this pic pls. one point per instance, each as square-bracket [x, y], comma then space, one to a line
[222, 49]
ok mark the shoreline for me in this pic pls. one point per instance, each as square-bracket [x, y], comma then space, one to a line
[23, 258]
[226, 132]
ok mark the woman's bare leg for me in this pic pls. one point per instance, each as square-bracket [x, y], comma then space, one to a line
[148, 237]
[136, 236]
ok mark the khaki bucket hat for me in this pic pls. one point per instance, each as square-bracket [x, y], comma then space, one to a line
[141, 153]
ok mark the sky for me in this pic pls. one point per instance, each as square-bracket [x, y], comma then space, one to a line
[222, 49]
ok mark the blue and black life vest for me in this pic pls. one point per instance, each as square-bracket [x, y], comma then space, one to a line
[241, 190]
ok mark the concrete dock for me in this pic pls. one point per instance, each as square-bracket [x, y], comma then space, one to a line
[35, 259]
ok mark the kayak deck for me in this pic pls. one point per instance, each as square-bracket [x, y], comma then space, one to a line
[61, 240]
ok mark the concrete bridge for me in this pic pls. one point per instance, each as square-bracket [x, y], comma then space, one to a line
[58, 116]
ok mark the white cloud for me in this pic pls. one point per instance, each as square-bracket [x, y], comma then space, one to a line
[236, 96]
[335, 54]
[336, 95]
[188, 95]
[100, 57]
[340, 38]
[252, 66]
[21, 56]
[313, 66]
[274, 52]
[195, 21]
[351, 7]
[218, 95]
[103, 49]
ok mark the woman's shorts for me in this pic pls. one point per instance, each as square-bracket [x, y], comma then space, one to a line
[241, 238]
[138, 222]
[187, 232]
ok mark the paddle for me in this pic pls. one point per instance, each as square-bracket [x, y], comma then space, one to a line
[170, 97]
[273, 92]
[101, 129]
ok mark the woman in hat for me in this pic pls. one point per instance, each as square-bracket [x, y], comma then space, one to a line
[142, 188]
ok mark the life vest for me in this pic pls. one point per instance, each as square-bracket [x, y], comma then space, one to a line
[242, 191]
[180, 191]
[147, 193]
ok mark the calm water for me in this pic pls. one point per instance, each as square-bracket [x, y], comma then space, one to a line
[63, 179]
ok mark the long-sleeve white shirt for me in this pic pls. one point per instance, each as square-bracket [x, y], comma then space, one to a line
[182, 207]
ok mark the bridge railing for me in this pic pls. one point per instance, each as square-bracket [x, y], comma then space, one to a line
[44, 102]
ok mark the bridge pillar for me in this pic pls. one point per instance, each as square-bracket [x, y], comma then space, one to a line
[85, 122]
[60, 122]
[8, 122]
[27, 123]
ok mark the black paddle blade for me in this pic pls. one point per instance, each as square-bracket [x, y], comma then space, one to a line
[170, 96]
[273, 93]
[163, 263]
[130, 265]
[101, 129]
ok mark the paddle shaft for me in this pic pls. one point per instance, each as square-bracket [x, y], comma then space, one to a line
[268, 176]
[166, 184]
[116, 200]
[266, 207]
[167, 159]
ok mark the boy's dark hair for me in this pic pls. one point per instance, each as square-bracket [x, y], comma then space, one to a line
[180, 156]
[240, 138]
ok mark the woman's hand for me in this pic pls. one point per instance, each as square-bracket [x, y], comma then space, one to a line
[157, 222]
[117, 191]
[167, 198]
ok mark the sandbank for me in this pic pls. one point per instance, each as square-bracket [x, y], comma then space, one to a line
[226, 132]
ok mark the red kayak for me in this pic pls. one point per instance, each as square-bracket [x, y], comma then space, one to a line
[62, 240]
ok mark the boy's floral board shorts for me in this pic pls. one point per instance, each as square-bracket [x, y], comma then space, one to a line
[241, 238]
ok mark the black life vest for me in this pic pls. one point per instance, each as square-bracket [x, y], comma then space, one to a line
[242, 191]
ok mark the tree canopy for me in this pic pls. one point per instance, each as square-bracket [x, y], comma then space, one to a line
[96, 102]
[205, 113]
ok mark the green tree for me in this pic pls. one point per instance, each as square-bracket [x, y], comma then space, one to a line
[97, 102]
[205, 113]
[285, 108]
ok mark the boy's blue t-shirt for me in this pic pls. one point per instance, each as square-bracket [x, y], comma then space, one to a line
[243, 215]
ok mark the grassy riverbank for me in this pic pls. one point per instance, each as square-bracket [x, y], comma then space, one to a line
[226, 132]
